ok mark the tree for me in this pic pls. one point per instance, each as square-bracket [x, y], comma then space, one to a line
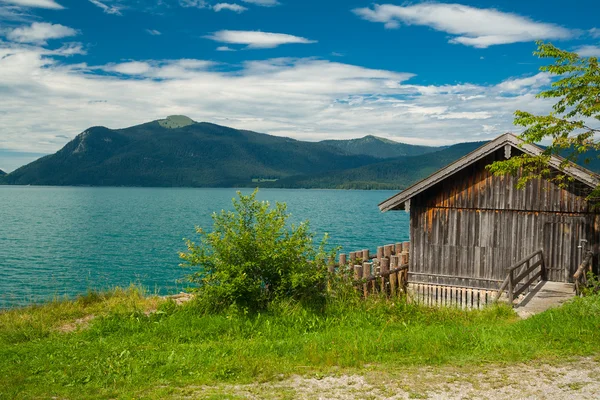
[572, 125]
[254, 257]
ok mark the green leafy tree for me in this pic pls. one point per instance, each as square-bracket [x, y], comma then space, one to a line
[572, 125]
[254, 257]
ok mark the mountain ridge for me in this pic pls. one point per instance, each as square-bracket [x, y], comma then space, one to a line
[396, 174]
[177, 151]
[198, 154]
[378, 147]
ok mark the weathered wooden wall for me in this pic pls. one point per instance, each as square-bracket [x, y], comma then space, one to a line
[471, 226]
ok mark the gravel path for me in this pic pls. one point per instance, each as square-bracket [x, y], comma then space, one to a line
[573, 380]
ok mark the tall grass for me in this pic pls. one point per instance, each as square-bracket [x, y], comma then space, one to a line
[124, 352]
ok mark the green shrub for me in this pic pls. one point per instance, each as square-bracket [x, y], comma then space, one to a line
[591, 284]
[254, 257]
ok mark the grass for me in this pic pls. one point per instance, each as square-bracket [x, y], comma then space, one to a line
[125, 352]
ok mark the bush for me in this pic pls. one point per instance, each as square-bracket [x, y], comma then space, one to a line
[253, 257]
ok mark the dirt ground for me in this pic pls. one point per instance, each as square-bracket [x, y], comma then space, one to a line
[579, 379]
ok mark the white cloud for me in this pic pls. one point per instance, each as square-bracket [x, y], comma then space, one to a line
[514, 85]
[228, 6]
[263, 3]
[14, 13]
[44, 101]
[107, 9]
[257, 39]
[51, 4]
[588, 51]
[129, 68]
[225, 48]
[69, 49]
[466, 115]
[40, 32]
[594, 32]
[217, 7]
[162, 69]
[471, 26]
[153, 32]
[193, 3]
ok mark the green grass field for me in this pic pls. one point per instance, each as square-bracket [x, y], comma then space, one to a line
[124, 351]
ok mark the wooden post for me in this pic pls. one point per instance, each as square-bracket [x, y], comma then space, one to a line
[404, 258]
[544, 276]
[398, 248]
[406, 248]
[342, 262]
[365, 255]
[511, 279]
[357, 275]
[393, 277]
[388, 250]
[357, 272]
[379, 252]
[375, 270]
[352, 257]
[385, 267]
[366, 270]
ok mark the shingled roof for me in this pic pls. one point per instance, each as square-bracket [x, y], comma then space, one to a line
[397, 201]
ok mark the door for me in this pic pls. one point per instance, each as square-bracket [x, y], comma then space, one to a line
[563, 247]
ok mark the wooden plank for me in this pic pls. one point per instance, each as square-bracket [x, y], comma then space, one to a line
[527, 284]
[529, 270]
[523, 260]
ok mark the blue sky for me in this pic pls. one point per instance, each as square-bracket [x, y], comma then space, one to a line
[417, 72]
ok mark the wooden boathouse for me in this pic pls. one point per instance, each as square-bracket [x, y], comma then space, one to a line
[468, 227]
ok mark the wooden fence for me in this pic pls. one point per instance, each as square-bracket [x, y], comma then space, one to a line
[386, 272]
[383, 273]
[454, 296]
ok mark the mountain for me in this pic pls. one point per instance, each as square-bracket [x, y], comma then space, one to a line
[177, 151]
[391, 174]
[2, 173]
[379, 147]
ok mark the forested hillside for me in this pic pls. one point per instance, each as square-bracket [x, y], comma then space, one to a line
[175, 153]
[392, 174]
[378, 147]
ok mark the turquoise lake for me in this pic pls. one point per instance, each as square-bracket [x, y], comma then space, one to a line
[63, 241]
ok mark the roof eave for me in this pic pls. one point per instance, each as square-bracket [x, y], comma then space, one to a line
[397, 201]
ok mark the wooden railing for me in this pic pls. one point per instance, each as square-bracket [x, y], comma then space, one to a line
[513, 283]
[580, 276]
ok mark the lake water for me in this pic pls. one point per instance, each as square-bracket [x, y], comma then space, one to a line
[57, 241]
